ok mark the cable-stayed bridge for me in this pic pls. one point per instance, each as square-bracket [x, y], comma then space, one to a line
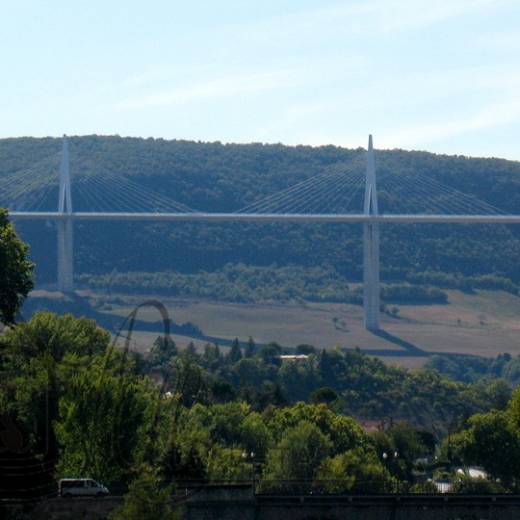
[342, 193]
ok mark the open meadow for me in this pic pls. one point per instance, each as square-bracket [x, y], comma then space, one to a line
[483, 323]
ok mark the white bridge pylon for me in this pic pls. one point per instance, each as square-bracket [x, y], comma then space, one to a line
[371, 285]
[65, 225]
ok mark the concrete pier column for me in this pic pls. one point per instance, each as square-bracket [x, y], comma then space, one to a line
[65, 273]
[371, 287]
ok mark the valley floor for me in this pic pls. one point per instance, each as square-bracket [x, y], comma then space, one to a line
[483, 323]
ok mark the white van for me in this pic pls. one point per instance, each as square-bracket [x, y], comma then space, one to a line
[81, 487]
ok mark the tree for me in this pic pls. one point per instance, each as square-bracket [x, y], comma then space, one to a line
[249, 372]
[326, 363]
[324, 395]
[221, 391]
[15, 271]
[229, 464]
[255, 436]
[399, 446]
[38, 357]
[162, 351]
[185, 444]
[222, 421]
[305, 349]
[235, 353]
[356, 470]
[104, 423]
[270, 353]
[212, 357]
[269, 394]
[490, 441]
[250, 348]
[191, 351]
[298, 455]
[188, 383]
[514, 409]
[146, 500]
[48, 333]
[344, 432]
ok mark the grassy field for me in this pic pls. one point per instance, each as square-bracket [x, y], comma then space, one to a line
[484, 323]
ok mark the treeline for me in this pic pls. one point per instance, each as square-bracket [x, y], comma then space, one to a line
[473, 368]
[361, 386]
[80, 407]
[464, 283]
[245, 283]
[218, 177]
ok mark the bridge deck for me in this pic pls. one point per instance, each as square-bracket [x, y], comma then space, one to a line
[270, 217]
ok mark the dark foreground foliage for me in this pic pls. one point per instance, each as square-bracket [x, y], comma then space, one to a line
[81, 407]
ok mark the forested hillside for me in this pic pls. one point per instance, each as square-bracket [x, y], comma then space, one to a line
[218, 177]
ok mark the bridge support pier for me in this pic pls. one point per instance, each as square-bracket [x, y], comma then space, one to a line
[371, 289]
[65, 255]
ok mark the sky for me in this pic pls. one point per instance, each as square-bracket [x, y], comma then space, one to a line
[436, 75]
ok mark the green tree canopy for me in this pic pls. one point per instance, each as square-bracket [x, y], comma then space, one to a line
[15, 270]
[298, 455]
[491, 441]
[103, 423]
[32, 368]
[56, 335]
[356, 470]
[235, 353]
[146, 500]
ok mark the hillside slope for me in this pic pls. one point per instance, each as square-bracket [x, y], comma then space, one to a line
[219, 177]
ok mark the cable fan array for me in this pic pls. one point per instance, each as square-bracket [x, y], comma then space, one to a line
[337, 190]
[340, 190]
[416, 194]
[114, 194]
[29, 190]
[90, 193]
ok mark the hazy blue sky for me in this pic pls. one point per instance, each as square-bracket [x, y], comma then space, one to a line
[439, 75]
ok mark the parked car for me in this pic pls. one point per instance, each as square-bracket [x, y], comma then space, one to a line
[81, 487]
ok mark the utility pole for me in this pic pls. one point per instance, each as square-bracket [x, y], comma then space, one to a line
[65, 225]
[371, 288]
